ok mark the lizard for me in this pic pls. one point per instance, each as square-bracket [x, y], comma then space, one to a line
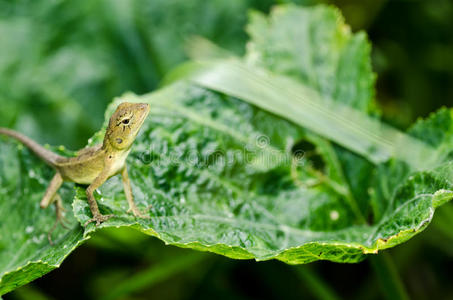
[92, 166]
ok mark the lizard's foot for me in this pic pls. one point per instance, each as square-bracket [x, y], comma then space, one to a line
[98, 218]
[59, 209]
[138, 213]
[60, 218]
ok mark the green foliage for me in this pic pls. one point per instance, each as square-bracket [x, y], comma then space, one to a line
[25, 251]
[59, 58]
[223, 175]
[325, 56]
[329, 59]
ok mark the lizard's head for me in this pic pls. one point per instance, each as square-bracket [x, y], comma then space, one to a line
[125, 123]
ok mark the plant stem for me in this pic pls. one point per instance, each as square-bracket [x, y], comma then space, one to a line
[385, 270]
[154, 274]
[443, 221]
[317, 286]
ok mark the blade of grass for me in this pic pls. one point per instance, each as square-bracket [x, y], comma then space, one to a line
[443, 221]
[154, 275]
[29, 292]
[353, 130]
[318, 288]
[302, 105]
[391, 285]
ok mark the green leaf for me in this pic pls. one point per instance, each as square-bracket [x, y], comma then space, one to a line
[241, 208]
[328, 58]
[25, 252]
[248, 208]
[316, 47]
[273, 46]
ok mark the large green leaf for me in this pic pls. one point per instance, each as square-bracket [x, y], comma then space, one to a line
[25, 252]
[225, 176]
[251, 206]
[329, 59]
[219, 178]
[316, 47]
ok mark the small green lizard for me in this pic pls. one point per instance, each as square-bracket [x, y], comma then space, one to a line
[94, 165]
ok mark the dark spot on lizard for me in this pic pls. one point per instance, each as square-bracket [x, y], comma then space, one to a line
[119, 141]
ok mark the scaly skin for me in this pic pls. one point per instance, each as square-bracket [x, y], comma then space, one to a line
[94, 165]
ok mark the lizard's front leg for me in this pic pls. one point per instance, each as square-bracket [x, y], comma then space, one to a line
[129, 196]
[97, 216]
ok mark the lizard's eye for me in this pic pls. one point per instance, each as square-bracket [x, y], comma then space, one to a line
[125, 121]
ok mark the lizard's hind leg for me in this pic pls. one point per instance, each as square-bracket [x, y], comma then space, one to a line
[59, 217]
[59, 209]
[51, 191]
[50, 197]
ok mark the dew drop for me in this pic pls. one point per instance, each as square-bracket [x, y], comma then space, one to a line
[334, 215]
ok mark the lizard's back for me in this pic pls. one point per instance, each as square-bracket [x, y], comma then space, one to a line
[84, 167]
[89, 163]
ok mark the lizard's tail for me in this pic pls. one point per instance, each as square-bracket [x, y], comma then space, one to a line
[48, 156]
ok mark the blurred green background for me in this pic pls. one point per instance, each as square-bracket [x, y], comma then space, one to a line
[62, 62]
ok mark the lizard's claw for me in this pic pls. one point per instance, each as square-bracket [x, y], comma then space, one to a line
[138, 213]
[63, 222]
[60, 218]
[98, 218]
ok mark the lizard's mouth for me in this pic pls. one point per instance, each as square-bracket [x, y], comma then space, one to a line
[144, 109]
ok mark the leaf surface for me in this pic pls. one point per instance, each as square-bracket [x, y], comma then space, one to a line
[252, 206]
[25, 252]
